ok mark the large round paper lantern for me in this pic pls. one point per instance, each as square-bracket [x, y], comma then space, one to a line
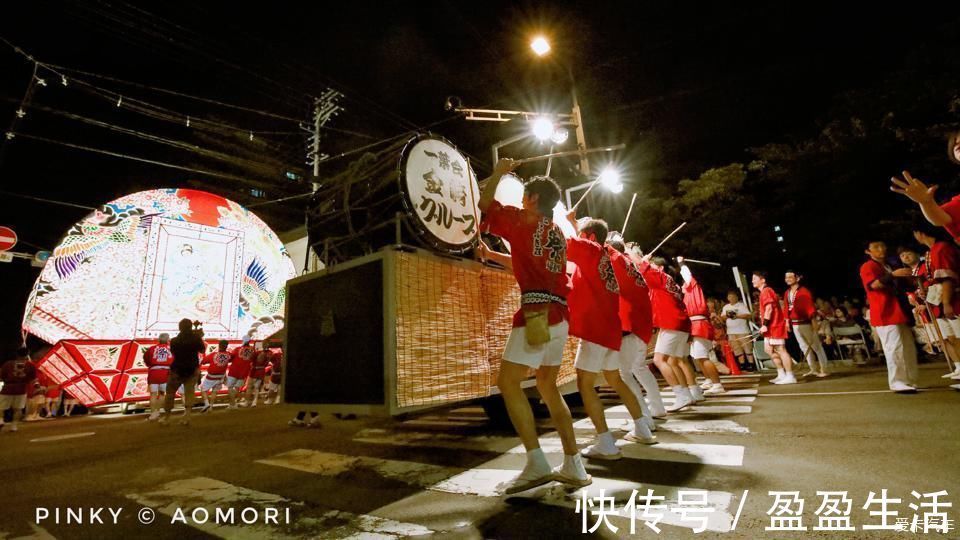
[136, 266]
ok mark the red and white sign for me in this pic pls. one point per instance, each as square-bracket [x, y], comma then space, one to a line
[8, 238]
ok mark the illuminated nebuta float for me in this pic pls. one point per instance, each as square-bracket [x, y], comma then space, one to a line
[135, 267]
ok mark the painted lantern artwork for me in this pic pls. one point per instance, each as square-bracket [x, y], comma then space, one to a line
[136, 266]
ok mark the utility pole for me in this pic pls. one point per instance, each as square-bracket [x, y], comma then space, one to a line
[325, 107]
[578, 122]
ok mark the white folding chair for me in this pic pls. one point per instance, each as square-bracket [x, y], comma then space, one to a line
[847, 336]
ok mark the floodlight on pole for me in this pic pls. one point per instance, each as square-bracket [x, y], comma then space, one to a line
[543, 128]
[610, 178]
[560, 135]
[540, 45]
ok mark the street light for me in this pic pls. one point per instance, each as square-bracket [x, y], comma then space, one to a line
[540, 45]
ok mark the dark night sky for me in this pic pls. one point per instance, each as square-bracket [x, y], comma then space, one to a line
[688, 87]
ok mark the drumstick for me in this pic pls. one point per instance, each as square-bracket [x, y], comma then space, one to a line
[571, 153]
[584, 196]
[701, 262]
[626, 220]
[476, 217]
[675, 231]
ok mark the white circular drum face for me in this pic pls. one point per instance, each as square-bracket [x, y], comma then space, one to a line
[442, 192]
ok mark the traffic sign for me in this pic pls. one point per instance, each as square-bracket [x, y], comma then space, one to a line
[8, 238]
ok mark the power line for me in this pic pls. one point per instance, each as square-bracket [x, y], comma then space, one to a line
[134, 158]
[32, 198]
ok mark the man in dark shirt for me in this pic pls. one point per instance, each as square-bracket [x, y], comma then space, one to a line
[17, 376]
[186, 348]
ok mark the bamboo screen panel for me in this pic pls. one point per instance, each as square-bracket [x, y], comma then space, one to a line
[452, 325]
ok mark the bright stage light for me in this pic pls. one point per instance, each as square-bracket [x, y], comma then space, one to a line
[560, 135]
[542, 128]
[610, 178]
[540, 45]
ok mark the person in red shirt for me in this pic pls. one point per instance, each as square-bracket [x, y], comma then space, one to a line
[773, 327]
[276, 377]
[942, 267]
[803, 321]
[594, 318]
[17, 376]
[538, 259]
[636, 317]
[701, 329]
[217, 363]
[673, 331]
[258, 370]
[945, 215]
[158, 360]
[889, 320]
[239, 370]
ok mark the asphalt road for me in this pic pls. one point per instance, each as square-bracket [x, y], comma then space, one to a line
[438, 473]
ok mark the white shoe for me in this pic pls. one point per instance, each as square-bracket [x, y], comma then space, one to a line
[651, 425]
[776, 379]
[902, 388]
[153, 416]
[206, 409]
[706, 384]
[714, 390]
[594, 452]
[681, 403]
[641, 435]
[955, 386]
[296, 422]
[572, 473]
[696, 393]
[955, 372]
[955, 376]
[529, 479]
[660, 413]
[787, 379]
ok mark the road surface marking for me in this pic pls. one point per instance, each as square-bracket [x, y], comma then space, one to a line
[328, 464]
[731, 393]
[393, 437]
[719, 399]
[64, 437]
[617, 415]
[211, 494]
[829, 393]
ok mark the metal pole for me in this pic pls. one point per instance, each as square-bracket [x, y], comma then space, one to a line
[578, 119]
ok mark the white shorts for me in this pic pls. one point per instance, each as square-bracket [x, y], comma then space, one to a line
[954, 327]
[596, 358]
[633, 350]
[672, 343]
[700, 348]
[15, 402]
[774, 341]
[162, 388]
[211, 384]
[518, 351]
[946, 330]
[234, 383]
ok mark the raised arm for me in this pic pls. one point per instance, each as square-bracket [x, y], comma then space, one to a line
[490, 184]
[918, 192]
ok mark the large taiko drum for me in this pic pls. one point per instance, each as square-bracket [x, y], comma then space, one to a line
[425, 181]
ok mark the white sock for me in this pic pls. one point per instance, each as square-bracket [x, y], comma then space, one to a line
[639, 425]
[781, 372]
[679, 391]
[537, 460]
[606, 441]
[573, 466]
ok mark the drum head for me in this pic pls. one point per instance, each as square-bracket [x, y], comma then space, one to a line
[439, 194]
